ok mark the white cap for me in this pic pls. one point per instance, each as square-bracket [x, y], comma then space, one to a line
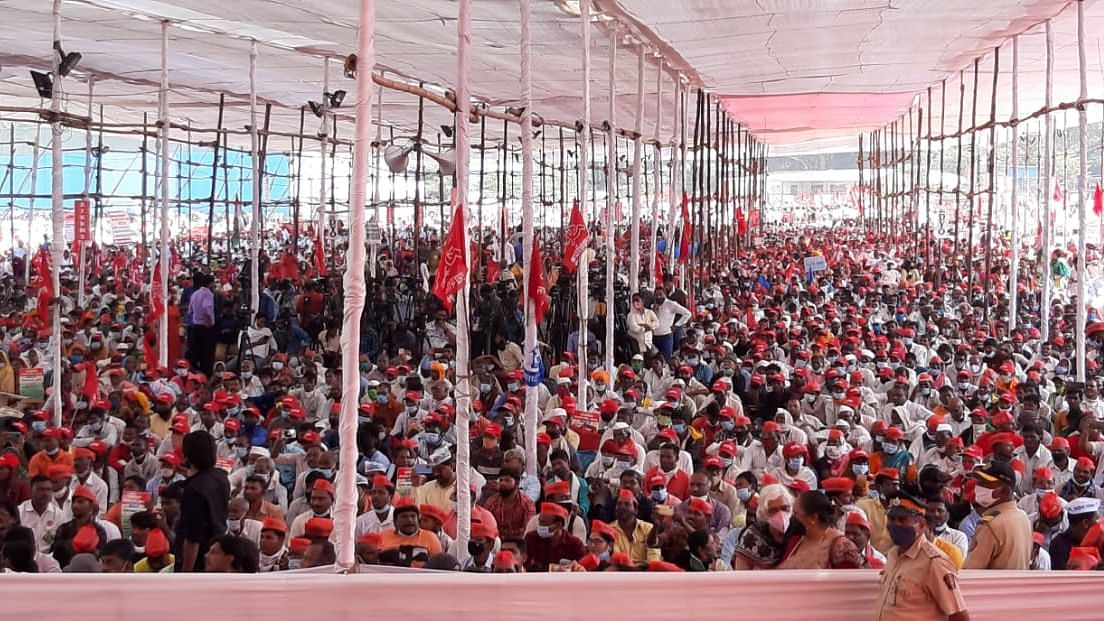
[619, 426]
[440, 456]
[944, 427]
[260, 451]
[1080, 506]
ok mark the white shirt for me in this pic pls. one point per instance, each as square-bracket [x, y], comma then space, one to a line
[666, 313]
[369, 522]
[98, 487]
[249, 529]
[956, 537]
[44, 525]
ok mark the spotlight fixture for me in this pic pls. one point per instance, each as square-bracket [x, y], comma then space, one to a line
[43, 84]
[350, 69]
[396, 157]
[67, 62]
[335, 98]
[447, 130]
[515, 110]
[317, 108]
[446, 161]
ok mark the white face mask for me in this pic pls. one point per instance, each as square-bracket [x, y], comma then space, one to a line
[984, 496]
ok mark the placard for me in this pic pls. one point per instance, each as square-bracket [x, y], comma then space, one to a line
[31, 382]
[225, 464]
[131, 502]
[404, 480]
[815, 263]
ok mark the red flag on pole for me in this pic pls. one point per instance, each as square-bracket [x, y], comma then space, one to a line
[576, 241]
[1098, 200]
[453, 265]
[157, 303]
[91, 388]
[687, 230]
[537, 291]
[1057, 192]
[319, 253]
[741, 222]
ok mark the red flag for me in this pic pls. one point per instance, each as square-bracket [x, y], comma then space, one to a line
[91, 381]
[452, 266]
[1057, 192]
[1098, 200]
[157, 303]
[687, 230]
[319, 253]
[536, 289]
[576, 241]
[741, 222]
[493, 271]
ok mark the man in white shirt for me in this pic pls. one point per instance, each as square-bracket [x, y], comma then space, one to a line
[937, 518]
[41, 514]
[259, 339]
[380, 516]
[83, 475]
[670, 316]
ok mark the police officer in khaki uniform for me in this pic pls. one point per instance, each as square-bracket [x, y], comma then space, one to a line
[1003, 536]
[919, 582]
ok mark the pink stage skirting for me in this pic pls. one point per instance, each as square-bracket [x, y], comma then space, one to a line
[842, 595]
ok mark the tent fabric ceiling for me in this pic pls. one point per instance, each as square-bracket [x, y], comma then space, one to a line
[801, 74]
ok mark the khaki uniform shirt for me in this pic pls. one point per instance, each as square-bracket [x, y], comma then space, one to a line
[918, 584]
[876, 515]
[1002, 539]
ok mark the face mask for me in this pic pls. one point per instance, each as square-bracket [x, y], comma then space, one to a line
[659, 495]
[984, 496]
[727, 461]
[728, 372]
[925, 391]
[476, 549]
[795, 463]
[728, 425]
[833, 452]
[890, 448]
[247, 375]
[513, 386]
[39, 426]
[277, 366]
[240, 451]
[975, 368]
[680, 428]
[431, 437]
[812, 398]
[60, 494]
[181, 372]
[902, 536]
[942, 528]
[1061, 370]
[600, 388]
[544, 532]
[76, 358]
[978, 430]
[294, 563]
[838, 396]
[743, 494]
[233, 525]
[484, 388]
[508, 421]
[381, 399]
[860, 469]
[692, 361]
[780, 521]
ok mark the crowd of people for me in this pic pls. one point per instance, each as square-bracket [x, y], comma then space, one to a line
[757, 417]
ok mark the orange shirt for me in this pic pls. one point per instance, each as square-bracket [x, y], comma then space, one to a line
[41, 462]
[421, 542]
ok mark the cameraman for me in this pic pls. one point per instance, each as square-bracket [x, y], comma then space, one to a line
[259, 343]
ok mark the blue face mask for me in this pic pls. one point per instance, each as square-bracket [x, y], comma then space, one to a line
[324, 472]
[381, 399]
[902, 536]
[508, 421]
[743, 494]
[76, 358]
[680, 428]
[431, 437]
[659, 495]
[795, 464]
[39, 426]
[728, 425]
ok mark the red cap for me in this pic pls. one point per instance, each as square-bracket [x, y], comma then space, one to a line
[855, 518]
[701, 506]
[83, 492]
[274, 523]
[232, 424]
[552, 509]
[318, 527]
[1050, 506]
[837, 485]
[86, 540]
[324, 485]
[157, 544]
[561, 488]
[891, 473]
[792, 449]
[434, 512]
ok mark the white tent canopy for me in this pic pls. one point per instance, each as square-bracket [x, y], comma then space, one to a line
[802, 74]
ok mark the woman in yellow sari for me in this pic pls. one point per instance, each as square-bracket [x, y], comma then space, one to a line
[7, 374]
